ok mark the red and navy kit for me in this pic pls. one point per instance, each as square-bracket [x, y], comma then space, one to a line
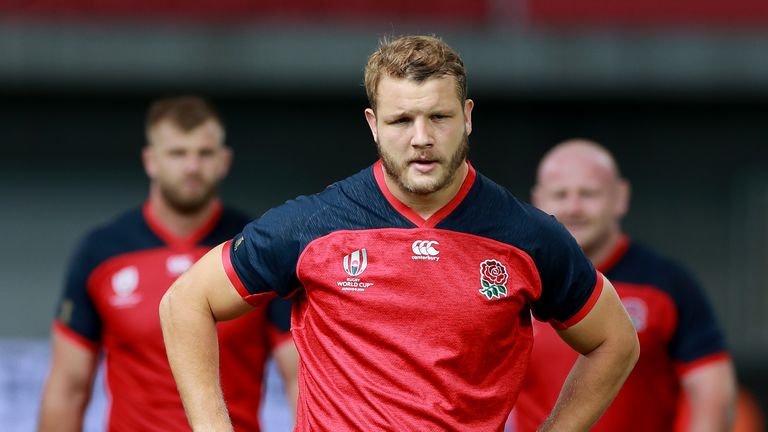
[678, 332]
[112, 293]
[409, 324]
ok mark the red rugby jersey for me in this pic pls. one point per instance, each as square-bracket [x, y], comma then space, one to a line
[677, 330]
[110, 303]
[410, 324]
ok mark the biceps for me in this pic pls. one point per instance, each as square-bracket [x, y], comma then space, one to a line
[207, 286]
[72, 363]
[713, 381]
[606, 322]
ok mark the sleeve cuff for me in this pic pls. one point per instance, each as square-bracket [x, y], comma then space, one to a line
[253, 299]
[71, 335]
[588, 305]
[688, 367]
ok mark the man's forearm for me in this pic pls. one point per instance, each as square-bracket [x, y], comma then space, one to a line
[191, 343]
[68, 387]
[593, 382]
[62, 412]
[718, 418]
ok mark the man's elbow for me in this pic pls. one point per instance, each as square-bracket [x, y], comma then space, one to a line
[635, 350]
[167, 304]
[165, 308]
[626, 346]
[184, 299]
[631, 348]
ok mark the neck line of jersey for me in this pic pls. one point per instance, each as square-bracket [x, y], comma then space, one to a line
[409, 213]
[170, 238]
[616, 254]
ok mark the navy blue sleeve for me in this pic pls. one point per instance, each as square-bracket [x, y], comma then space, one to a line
[698, 333]
[265, 254]
[279, 314]
[568, 279]
[76, 309]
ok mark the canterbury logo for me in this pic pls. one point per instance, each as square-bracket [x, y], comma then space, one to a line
[425, 247]
[425, 250]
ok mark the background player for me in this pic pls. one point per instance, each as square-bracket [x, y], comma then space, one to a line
[121, 270]
[682, 348]
[412, 280]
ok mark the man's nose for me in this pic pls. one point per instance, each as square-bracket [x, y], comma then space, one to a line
[422, 133]
[573, 204]
[192, 163]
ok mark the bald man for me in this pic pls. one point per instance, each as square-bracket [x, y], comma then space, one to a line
[682, 350]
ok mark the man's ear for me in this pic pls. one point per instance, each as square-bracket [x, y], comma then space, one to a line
[535, 197]
[624, 191]
[370, 117]
[227, 154]
[148, 161]
[468, 105]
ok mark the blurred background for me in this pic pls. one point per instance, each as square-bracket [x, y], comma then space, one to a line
[678, 90]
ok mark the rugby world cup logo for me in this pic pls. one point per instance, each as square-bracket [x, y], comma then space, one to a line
[493, 277]
[356, 262]
[124, 287]
[125, 281]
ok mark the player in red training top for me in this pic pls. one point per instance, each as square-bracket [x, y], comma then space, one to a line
[682, 350]
[120, 272]
[412, 280]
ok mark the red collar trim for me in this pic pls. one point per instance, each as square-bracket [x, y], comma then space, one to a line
[171, 239]
[410, 214]
[617, 254]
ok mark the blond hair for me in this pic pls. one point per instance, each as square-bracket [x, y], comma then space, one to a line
[416, 58]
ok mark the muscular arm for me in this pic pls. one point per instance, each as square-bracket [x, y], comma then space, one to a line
[711, 394]
[188, 314]
[68, 388]
[609, 347]
[287, 360]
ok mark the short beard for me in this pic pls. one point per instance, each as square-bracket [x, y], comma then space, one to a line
[188, 206]
[396, 172]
